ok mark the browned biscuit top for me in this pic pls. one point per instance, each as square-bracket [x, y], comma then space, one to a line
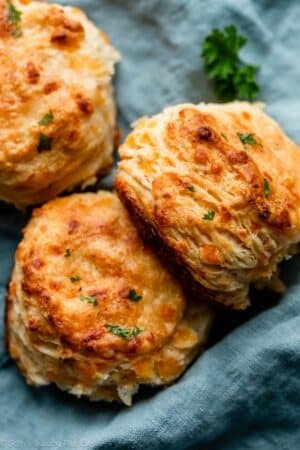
[88, 280]
[57, 112]
[219, 185]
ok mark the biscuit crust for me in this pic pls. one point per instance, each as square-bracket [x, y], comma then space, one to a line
[216, 187]
[57, 110]
[81, 275]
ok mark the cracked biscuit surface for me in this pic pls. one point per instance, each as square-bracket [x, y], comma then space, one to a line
[91, 308]
[57, 110]
[217, 188]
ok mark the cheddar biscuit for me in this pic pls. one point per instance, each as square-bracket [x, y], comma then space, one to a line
[57, 110]
[91, 308]
[217, 187]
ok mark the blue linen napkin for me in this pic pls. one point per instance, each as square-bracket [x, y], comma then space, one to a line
[244, 392]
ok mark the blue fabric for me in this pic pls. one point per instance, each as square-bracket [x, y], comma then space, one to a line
[244, 392]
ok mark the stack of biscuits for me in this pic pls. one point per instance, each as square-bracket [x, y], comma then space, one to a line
[113, 290]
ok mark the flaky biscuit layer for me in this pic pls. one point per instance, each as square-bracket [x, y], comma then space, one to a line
[57, 110]
[82, 278]
[217, 187]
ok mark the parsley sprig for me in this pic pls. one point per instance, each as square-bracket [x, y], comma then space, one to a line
[233, 78]
[124, 333]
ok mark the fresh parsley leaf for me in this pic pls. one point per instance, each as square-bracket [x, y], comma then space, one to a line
[46, 119]
[248, 138]
[124, 333]
[67, 253]
[132, 295]
[224, 136]
[14, 17]
[75, 278]
[45, 143]
[191, 188]
[233, 78]
[267, 189]
[209, 215]
[89, 299]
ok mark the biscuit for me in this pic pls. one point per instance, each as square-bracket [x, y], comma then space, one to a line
[216, 188]
[91, 308]
[57, 109]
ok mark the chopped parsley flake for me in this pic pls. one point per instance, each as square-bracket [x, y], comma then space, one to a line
[209, 215]
[124, 333]
[67, 253]
[14, 17]
[132, 295]
[89, 299]
[224, 136]
[267, 189]
[191, 188]
[248, 138]
[75, 278]
[16, 32]
[45, 143]
[46, 119]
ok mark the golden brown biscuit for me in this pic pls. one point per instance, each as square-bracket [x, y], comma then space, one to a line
[57, 111]
[218, 187]
[91, 308]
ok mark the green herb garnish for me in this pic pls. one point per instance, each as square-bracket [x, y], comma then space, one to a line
[16, 32]
[233, 78]
[191, 188]
[248, 139]
[75, 278]
[14, 17]
[46, 119]
[209, 215]
[67, 253]
[267, 189]
[124, 333]
[89, 299]
[45, 143]
[224, 136]
[132, 295]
